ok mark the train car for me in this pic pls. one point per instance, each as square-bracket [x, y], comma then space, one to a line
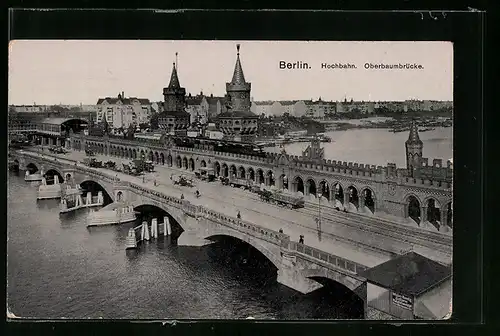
[286, 200]
[240, 183]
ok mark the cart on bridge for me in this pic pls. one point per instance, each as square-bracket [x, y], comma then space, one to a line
[206, 174]
[183, 181]
[91, 162]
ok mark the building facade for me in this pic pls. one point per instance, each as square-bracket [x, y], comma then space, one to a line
[121, 112]
[262, 108]
[320, 109]
[216, 106]
[198, 108]
[174, 119]
[238, 123]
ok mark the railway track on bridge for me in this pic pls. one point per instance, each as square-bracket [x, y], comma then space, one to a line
[390, 230]
[363, 224]
[369, 226]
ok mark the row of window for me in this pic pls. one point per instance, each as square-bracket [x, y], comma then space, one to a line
[237, 122]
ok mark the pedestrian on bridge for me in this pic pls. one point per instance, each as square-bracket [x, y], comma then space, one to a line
[238, 215]
[301, 239]
[182, 196]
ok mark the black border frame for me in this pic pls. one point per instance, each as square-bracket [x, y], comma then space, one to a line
[464, 29]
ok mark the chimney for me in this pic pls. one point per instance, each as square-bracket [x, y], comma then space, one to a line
[123, 94]
[211, 95]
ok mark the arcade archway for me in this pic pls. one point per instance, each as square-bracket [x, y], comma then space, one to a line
[353, 197]
[260, 176]
[191, 164]
[324, 189]
[283, 182]
[251, 174]
[242, 172]
[338, 196]
[433, 212]
[413, 211]
[232, 171]
[299, 184]
[217, 169]
[225, 170]
[270, 178]
[311, 186]
[449, 214]
[369, 199]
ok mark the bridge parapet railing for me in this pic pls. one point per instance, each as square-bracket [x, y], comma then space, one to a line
[200, 211]
[328, 258]
[244, 226]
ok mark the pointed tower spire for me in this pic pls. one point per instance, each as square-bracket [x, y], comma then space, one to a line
[174, 79]
[413, 137]
[238, 77]
[414, 151]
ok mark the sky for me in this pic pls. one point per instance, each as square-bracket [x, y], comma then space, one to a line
[78, 71]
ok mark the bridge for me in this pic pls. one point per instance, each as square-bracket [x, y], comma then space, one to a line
[347, 244]
[296, 263]
[386, 194]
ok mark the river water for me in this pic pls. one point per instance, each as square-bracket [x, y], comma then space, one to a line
[380, 146]
[59, 268]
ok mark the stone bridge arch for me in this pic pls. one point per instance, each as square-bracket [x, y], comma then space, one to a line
[269, 250]
[175, 214]
[51, 171]
[108, 189]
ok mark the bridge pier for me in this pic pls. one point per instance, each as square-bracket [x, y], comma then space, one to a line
[193, 234]
[289, 275]
[192, 238]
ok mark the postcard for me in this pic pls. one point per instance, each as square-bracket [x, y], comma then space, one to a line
[266, 180]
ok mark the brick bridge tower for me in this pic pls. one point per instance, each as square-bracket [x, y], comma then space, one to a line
[238, 123]
[414, 150]
[174, 117]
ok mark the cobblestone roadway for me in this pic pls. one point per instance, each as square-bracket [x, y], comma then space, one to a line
[229, 200]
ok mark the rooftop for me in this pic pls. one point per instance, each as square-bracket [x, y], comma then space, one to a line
[237, 114]
[126, 101]
[410, 274]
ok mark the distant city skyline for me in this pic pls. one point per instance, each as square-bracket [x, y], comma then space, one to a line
[74, 72]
